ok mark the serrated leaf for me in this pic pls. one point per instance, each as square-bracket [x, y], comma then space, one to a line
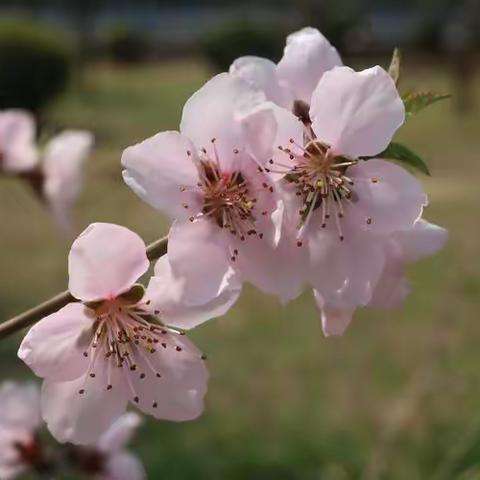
[416, 101]
[394, 68]
[401, 153]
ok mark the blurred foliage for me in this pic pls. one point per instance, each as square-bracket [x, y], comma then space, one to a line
[127, 45]
[35, 65]
[236, 39]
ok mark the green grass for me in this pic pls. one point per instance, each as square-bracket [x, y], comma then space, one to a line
[398, 397]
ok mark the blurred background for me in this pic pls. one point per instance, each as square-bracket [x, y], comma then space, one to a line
[398, 397]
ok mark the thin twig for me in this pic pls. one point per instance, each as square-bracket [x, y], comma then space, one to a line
[154, 250]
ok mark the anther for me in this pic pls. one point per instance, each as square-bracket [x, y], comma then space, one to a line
[135, 399]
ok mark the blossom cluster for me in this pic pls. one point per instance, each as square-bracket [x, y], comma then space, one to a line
[54, 171]
[276, 177]
[24, 450]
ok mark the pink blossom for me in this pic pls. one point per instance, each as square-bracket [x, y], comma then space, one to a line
[17, 141]
[342, 205]
[115, 347]
[108, 459]
[19, 422]
[210, 179]
[401, 248]
[290, 84]
[62, 167]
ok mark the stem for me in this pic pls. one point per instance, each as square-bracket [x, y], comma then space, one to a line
[155, 250]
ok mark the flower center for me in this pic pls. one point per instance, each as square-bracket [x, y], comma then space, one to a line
[228, 199]
[320, 182]
[128, 335]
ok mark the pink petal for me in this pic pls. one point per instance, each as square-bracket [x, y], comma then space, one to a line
[17, 141]
[199, 257]
[344, 273]
[388, 197]
[423, 240]
[212, 113]
[105, 260]
[279, 270]
[159, 168]
[335, 320]
[11, 465]
[83, 418]
[20, 406]
[62, 165]
[166, 295]
[307, 56]
[59, 339]
[120, 433]
[123, 466]
[259, 129]
[169, 382]
[289, 127]
[356, 113]
[261, 73]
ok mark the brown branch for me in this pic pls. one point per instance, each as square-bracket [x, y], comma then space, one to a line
[154, 250]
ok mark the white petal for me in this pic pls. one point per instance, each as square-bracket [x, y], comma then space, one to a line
[261, 74]
[356, 113]
[307, 56]
[104, 261]
[59, 339]
[166, 295]
[158, 168]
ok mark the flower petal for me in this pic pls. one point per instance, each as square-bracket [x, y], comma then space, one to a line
[261, 74]
[199, 258]
[388, 197]
[82, 418]
[344, 273]
[212, 113]
[335, 320]
[104, 261]
[423, 240]
[356, 113]
[166, 291]
[307, 56]
[58, 339]
[62, 166]
[123, 466]
[169, 381]
[20, 406]
[279, 270]
[158, 168]
[120, 433]
[17, 140]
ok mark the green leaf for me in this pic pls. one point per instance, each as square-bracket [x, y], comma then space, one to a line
[397, 151]
[394, 68]
[416, 101]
